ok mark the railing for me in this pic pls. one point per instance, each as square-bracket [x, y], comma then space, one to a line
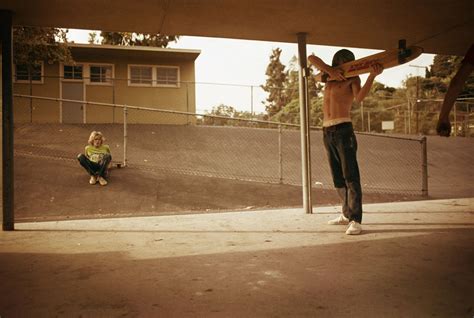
[410, 116]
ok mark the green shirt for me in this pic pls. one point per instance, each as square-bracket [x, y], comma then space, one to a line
[96, 154]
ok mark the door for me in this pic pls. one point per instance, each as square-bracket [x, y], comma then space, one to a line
[72, 113]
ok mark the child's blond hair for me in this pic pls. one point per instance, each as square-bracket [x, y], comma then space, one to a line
[95, 134]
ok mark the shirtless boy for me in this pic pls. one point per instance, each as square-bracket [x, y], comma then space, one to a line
[339, 138]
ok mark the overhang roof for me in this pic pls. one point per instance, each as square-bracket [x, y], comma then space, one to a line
[439, 26]
[133, 51]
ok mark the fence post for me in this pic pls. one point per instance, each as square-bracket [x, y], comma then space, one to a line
[280, 155]
[409, 116]
[113, 100]
[368, 120]
[31, 93]
[187, 104]
[125, 117]
[468, 121]
[424, 166]
[455, 121]
[251, 101]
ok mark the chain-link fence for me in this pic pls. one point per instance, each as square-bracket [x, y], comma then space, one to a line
[415, 117]
[408, 115]
[223, 147]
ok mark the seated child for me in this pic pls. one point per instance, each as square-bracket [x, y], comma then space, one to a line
[96, 158]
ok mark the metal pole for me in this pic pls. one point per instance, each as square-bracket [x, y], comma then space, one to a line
[30, 70]
[304, 124]
[424, 166]
[368, 121]
[251, 101]
[280, 155]
[362, 115]
[409, 117]
[7, 120]
[468, 121]
[125, 116]
[113, 100]
[455, 121]
[187, 103]
[416, 103]
[405, 120]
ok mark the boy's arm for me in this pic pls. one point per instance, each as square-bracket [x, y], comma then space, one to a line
[360, 93]
[455, 87]
[320, 65]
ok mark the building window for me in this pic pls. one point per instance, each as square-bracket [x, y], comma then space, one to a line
[101, 73]
[167, 76]
[23, 75]
[141, 75]
[73, 72]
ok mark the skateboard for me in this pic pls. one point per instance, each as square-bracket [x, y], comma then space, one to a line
[387, 59]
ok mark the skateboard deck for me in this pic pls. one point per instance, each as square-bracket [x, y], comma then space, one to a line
[387, 59]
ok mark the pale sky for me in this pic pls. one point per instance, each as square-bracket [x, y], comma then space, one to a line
[243, 63]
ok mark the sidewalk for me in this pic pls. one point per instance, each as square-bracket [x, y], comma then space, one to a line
[414, 259]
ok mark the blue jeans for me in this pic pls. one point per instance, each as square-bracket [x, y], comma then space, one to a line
[93, 168]
[341, 147]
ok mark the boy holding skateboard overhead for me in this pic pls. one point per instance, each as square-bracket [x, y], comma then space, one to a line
[339, 138]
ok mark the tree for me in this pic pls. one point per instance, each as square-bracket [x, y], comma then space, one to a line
[291, 112]
[275, 84]
[444, 66]
[93, 38]
[137, 39]
[292, 82]
[443, 69]
[230, 112]
[33, 45]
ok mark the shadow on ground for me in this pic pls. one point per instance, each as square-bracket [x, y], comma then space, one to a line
[420, 275]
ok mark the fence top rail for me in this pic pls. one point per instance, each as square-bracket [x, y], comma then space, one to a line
[123, 106]
[177, 112]
[419, 139]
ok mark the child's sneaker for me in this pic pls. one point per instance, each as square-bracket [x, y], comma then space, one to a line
[354, 228]
[102, 181]
[340, 220]
[93, 180]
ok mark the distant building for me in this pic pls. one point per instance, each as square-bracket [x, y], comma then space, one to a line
[158, 78]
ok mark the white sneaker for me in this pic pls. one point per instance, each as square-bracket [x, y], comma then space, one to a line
[340, 220]
[354, 228]
[93, 180]
[102, 181]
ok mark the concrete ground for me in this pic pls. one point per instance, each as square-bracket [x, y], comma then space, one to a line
[414, 259]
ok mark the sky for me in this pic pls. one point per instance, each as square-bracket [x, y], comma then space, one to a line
[241, 65]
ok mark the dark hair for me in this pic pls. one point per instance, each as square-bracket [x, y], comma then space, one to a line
[342, 56]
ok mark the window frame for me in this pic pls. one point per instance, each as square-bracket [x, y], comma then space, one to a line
[73, 79]
[177, 85]
[22, 81]
[153, 77]
[110, 81]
